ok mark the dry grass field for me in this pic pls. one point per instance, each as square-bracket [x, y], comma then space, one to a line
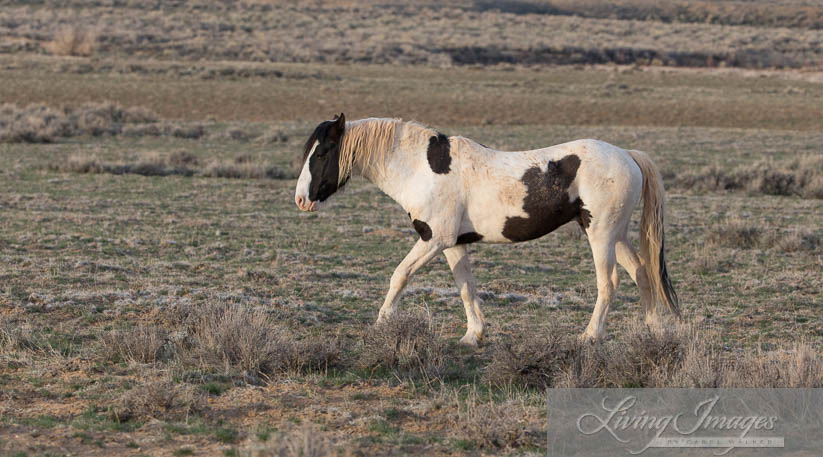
[160, 293]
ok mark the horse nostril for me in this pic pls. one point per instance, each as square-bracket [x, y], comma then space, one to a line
[299, 201]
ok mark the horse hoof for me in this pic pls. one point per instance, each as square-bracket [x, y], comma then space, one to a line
[587, 338]
[470, 340]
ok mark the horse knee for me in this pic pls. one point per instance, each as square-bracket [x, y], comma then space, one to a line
[398, 280]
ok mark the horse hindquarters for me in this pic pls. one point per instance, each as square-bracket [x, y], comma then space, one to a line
[610, 186]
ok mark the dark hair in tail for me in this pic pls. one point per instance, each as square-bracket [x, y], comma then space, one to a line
[651, 233]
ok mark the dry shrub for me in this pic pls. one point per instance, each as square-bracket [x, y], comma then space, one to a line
[158, 400]
[797, 240]
[189, 132]
[735, 234]
[406, 343]
[230, 338]
[32, 124]
[799, 367]
[73, 41]
[674, 355]
[544, 357]
[306, 442]
[243, 170]
[496, 425]
[81, 163]
[802, 177]
[743, 235]
[316, 354]
[183, 159]
[178, 163]
[649, 356]
[42, 124]
[227, 336]
[16, 336]
[141, 344]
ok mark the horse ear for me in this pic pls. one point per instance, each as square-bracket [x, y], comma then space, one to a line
[339, 125]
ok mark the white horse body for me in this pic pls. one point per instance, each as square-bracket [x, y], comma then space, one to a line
[457, 191]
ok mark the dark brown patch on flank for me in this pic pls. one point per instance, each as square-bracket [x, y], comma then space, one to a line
[438, 154]
[469, 237]
[422, 229]
[547, 200]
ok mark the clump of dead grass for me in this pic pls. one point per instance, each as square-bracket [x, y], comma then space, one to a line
[495, 424]
[140, 344]
[158, 400]
[406, 343]
[800, 366]
[306, 442]
[16, 336]
[73, 40]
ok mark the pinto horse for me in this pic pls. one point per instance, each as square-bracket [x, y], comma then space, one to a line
[457, 191]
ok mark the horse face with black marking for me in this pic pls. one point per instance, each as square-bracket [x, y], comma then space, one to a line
[320, 175]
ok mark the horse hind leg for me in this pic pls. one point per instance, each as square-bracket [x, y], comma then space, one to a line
[627, 257]
[603, 251]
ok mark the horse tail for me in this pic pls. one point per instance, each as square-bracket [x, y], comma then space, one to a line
[651, 233]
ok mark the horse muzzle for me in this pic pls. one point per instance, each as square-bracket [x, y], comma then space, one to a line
[304, 204]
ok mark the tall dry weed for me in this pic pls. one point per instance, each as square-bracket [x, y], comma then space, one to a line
[73, 40]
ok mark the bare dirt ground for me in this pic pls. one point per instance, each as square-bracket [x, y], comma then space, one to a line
[161, 295]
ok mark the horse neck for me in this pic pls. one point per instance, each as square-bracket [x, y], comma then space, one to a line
[397, 175]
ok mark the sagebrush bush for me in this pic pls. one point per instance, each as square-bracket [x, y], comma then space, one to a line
[44, 124]
[542, 357]
[742, 234]
[802, 177]
[649, 356]
[671, 355]
[232, 339]
[406, 343]
[162, 400]
[226, 336]
[495, 425]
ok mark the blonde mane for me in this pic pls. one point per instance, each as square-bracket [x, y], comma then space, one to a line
[366, 143]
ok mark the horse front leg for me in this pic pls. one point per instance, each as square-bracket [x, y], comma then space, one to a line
[421, 254]
[458, 258]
